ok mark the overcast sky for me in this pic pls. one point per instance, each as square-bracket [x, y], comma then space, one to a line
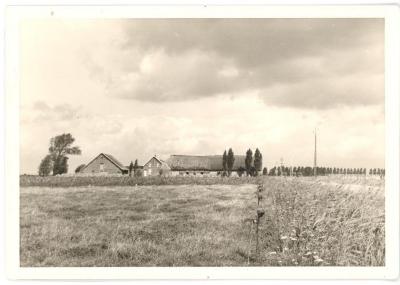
[135, 88]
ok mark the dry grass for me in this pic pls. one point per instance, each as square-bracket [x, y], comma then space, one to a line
[308, 222]
[323, 222]
[132, 226]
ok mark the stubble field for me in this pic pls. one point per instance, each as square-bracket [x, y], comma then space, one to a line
[307, 222]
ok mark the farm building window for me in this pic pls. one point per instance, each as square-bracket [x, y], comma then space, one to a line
[101, 166]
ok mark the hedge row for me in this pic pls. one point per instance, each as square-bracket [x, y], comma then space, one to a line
[75, 181]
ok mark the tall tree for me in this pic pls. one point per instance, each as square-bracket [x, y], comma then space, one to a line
[248, 161]
[224, 162]
[230, 161]
[60, 165]
[45, 166]
[130, 168]
[258, 160]
[135, 167]
[60, 147]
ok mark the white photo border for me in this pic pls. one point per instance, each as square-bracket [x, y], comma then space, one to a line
[390, 13]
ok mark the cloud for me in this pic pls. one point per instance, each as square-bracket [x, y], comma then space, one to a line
[325, 93]
[254, 42]
[182, 60]
[184, 77]
[67, 117]
[42, 112]
[135, 88]
[348, 136]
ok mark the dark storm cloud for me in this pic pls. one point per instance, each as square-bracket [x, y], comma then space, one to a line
[255, 42]
[318, 63]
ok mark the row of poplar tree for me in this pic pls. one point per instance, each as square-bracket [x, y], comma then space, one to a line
[253, 165]
[309, 171]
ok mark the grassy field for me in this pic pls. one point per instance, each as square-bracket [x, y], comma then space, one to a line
[307, 222]
[324, 221]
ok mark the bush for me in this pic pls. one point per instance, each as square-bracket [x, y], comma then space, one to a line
[240, 171]
[79, 168]
[265, 171]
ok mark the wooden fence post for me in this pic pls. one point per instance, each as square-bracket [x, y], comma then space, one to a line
[260, 213]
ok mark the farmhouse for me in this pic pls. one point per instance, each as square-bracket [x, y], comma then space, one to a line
[175, 165]
[207, 165]
[155, 167]
[104, 164]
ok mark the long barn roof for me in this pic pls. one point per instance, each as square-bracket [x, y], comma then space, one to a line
[202, 162]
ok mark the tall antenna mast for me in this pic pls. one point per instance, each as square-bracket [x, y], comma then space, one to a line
[315, 152]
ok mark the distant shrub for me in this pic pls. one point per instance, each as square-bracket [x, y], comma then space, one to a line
[265, 171]
[241, 170]
[139, 173]
[79, 168]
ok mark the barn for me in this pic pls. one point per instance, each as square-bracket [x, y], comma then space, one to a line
[104, 164]
[205, 165]
[155, 167]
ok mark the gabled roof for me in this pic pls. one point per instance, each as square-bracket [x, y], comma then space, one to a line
[112, 159]
[115, 161]
[162, 162]
[202, 162]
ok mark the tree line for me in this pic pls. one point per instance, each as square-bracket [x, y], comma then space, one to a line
[309, 171]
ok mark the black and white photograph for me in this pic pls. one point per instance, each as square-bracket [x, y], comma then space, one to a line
[202, 142]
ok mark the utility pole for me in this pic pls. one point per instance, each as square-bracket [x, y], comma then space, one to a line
[315, 152]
